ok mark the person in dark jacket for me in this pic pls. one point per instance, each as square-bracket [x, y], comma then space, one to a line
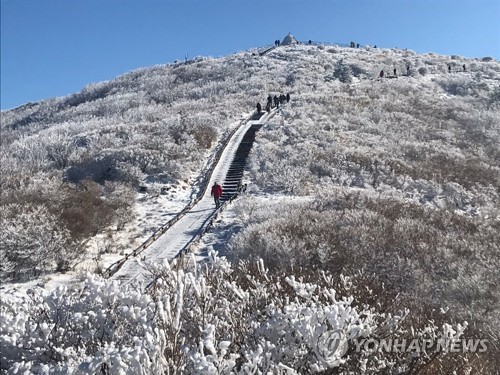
[287, 97]
[259, 108]
[276, 101]
[381, 75]
[270, 101]
[216, 193]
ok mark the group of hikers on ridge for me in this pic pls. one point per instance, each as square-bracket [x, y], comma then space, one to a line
[273, 102]
[382, 74]
[464, 68]
[394, 72]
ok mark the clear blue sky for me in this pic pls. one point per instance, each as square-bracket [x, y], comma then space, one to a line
[52, 48]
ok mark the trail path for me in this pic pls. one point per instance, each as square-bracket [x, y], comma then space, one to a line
[179, 235]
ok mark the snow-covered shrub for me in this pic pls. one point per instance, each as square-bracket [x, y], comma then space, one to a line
[79, 211]
[494, 100]
[32, 242]
[457, 85]
[89, 207]
[409, 248]
[422, 71]
[342, 72]
[213, 318]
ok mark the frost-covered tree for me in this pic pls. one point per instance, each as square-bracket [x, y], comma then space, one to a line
[32, 241]
[342, 72]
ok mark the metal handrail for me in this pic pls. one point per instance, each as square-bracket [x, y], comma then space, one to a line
[206, 175]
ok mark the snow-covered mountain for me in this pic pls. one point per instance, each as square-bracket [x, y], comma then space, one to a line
[384, 187]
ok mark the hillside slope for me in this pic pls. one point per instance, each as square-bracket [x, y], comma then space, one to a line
[390, 185]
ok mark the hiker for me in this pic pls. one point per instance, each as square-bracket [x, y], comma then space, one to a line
[449, 68]
[276, 101]
[270, 100]
[394, 72]
[357, 45]
[268, 107]
[216, 193]
[259, 108]
[282, 98]
[381, 74]
[408, 69]
[464, 68]
[287, 97]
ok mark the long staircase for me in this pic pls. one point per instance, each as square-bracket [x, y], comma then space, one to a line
[177, 238]
[232, 183]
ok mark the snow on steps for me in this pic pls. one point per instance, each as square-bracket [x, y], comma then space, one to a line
[176, 237]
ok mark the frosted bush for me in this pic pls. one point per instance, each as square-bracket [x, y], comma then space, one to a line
[206, 318]
[32, 242]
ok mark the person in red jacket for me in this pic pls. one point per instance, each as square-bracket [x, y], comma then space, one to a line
[216, 193]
